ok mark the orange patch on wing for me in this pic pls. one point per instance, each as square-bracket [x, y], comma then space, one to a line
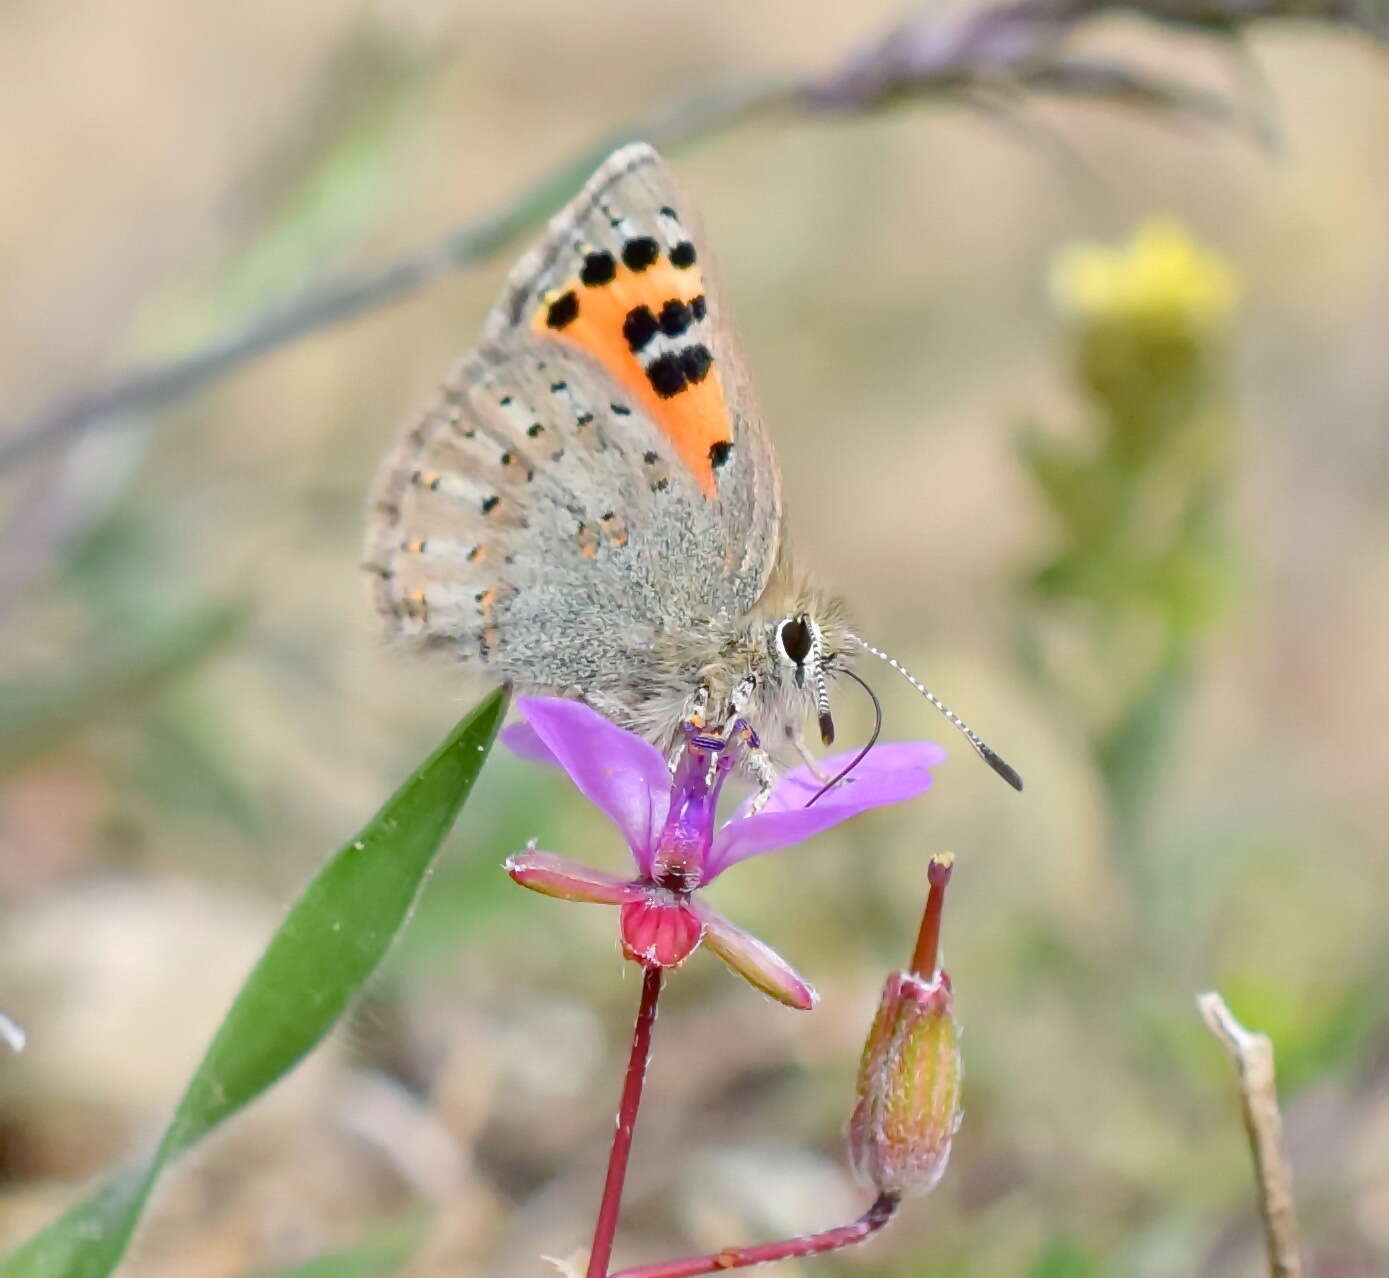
[595, 318]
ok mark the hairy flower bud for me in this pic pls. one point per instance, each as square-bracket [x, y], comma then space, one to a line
[908, 1101]
[908, 1106]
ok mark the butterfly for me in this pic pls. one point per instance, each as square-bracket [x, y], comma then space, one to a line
[592, 506]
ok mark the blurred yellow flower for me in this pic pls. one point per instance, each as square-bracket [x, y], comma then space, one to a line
[1161, 276]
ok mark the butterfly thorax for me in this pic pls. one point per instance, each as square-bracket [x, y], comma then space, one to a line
[725, 669]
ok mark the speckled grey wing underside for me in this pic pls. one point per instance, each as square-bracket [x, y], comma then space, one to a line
[539, 518]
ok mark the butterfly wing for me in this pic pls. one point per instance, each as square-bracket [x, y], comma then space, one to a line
[624, 275]
[593, 475]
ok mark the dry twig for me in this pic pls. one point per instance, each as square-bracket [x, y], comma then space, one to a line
[1253, 1057]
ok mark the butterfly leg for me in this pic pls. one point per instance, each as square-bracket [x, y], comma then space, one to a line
[697, 707]
[692, 722]
[759, 763]
[758, 760]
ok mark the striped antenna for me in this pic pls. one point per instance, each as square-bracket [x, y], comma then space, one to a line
[822, 688]
[994, 760]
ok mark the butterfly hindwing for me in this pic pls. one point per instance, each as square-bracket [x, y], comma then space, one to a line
[542, 555]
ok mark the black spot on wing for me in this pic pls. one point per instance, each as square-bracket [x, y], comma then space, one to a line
[676, 317]
[666, 376]
[564, 310]
[695, 362]
[683, 255]
[639, 327]
[639, 253]
[598, 269]
[720, 452]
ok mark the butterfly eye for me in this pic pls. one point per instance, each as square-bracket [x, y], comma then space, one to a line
[794, 636]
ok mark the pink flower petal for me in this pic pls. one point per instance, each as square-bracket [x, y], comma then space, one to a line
[615, 770]
[891, 773]
[569, 880]
[520, 738]
[659, 930]
[755, 962]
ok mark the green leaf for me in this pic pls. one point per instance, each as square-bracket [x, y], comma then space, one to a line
[323, 953]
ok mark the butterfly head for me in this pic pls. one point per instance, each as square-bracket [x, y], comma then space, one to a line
[807, 656]
[808, 642]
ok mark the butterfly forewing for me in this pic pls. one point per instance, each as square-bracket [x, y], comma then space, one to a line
[593, 474]
[625, 277]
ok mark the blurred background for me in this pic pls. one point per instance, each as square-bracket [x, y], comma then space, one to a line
[1087, 418]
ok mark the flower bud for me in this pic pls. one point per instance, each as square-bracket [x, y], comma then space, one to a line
[908, 1107]
[1150, 319]
[908, 1099]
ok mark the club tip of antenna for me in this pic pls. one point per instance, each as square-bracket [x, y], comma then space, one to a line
[1002, 767]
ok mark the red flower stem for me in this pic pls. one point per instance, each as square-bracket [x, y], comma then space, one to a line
[605, 1228]
[882, 1210]
[924, 957]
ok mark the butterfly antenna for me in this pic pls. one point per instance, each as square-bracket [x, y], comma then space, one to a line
[822, 690]
[994, 760]
[862, 754]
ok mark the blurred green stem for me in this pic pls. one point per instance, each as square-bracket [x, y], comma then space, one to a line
[1131, 754]
[1112, 620]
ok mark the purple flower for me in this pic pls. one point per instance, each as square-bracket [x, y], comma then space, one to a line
[668, 822]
